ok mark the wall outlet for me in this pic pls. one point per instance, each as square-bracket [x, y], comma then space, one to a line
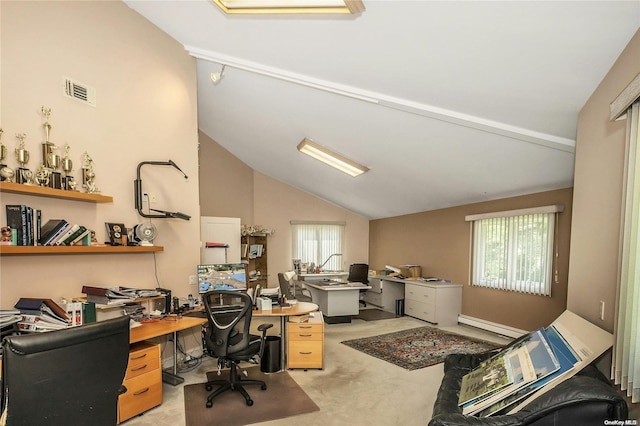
[602, 310]
[193, 280]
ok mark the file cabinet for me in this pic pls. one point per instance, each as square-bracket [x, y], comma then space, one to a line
[305, 343]
[143, 381]
[438, 303]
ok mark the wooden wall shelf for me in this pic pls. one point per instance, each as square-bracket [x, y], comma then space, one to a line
[33, 250]
[43, 191]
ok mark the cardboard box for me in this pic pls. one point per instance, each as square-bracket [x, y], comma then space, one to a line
[411, 271]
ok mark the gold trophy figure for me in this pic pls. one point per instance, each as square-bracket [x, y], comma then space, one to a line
[50, 159]
[3, 155]
[23, 174]
[88, 175]
[67, 165]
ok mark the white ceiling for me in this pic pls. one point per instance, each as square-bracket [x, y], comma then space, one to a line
[467, 101]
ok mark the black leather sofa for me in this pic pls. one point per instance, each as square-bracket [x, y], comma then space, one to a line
[585, 399]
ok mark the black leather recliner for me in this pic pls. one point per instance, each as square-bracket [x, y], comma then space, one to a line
[585, 399]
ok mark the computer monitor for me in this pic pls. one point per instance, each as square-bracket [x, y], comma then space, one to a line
[222, 276]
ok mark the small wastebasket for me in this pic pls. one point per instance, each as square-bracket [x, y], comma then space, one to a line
[270, 362]
[400, 307]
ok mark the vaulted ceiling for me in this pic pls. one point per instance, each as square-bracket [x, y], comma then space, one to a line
[446, 102]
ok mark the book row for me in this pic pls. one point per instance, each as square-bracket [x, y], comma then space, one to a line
[27, 229]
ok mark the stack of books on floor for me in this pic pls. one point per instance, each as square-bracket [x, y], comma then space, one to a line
[39, 315]
[531, 365]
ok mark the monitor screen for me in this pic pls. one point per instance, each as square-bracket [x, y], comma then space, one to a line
[222, 276]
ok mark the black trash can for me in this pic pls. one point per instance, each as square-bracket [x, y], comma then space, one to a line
[270, 362]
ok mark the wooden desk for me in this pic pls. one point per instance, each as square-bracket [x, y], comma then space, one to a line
[300, 308]
[168, 325]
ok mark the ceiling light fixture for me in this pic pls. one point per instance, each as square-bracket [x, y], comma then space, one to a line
[217, 76]
[291, 6]
[312, 149]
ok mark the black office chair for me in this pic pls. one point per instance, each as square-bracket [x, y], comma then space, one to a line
[71, 376]
[227, 338]
[359, 273]
[285, 289]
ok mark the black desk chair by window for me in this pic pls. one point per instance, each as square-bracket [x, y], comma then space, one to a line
[301, 295]
[71, 376]
[359, 273]
[227, 337]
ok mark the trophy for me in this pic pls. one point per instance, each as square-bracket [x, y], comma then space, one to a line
[67, 165]
[88, 175]
[3, 155]
[50, 159]
[23, 175]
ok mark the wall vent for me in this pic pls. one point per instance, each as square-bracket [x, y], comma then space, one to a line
[79, 91]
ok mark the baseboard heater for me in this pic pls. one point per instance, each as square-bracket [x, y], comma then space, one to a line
[493, 327]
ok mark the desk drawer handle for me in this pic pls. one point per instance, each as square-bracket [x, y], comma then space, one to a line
[139, 357]
[305, 353]
[139, 368]
[306, 326]
[141, 392]
[306, 335]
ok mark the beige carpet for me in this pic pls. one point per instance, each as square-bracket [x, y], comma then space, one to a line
[283, 398]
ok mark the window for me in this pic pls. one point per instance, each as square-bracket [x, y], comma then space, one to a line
[514, 250]
[315, 242]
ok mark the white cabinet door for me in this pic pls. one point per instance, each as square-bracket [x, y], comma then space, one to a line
[224, 230]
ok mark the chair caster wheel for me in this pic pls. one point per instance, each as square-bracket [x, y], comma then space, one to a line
[249, 402]
[209, 404]
[208, 388]
[263, 387]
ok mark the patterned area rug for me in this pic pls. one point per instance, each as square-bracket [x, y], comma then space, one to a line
[418, 347]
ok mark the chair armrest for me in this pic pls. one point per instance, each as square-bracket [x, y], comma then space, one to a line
[123, 389]
[264, 327]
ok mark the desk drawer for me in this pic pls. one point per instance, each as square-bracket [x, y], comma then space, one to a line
[305, 328]
[143, 392]
[305, 355]
[304, 336]
[420, 293]
[143, 357]
[423, 311]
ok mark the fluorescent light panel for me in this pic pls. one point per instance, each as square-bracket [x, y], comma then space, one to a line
[290, 6]
[330, 158]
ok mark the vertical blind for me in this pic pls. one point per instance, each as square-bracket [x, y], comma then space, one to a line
[514, 251]
[626, 365]
[315, 242]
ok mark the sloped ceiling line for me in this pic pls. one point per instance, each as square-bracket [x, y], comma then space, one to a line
[453, 117]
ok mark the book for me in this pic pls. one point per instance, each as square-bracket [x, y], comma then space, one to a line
[72, 236]
[79, 240]
[43, 307]
[490, 376]
[66, 234]
[49, 229]
[59, 234]
[37, 226]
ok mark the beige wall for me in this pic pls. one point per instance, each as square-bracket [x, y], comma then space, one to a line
[146, 110]
[439, 240]
[226, 183]
[597, 195]
[260, 200]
